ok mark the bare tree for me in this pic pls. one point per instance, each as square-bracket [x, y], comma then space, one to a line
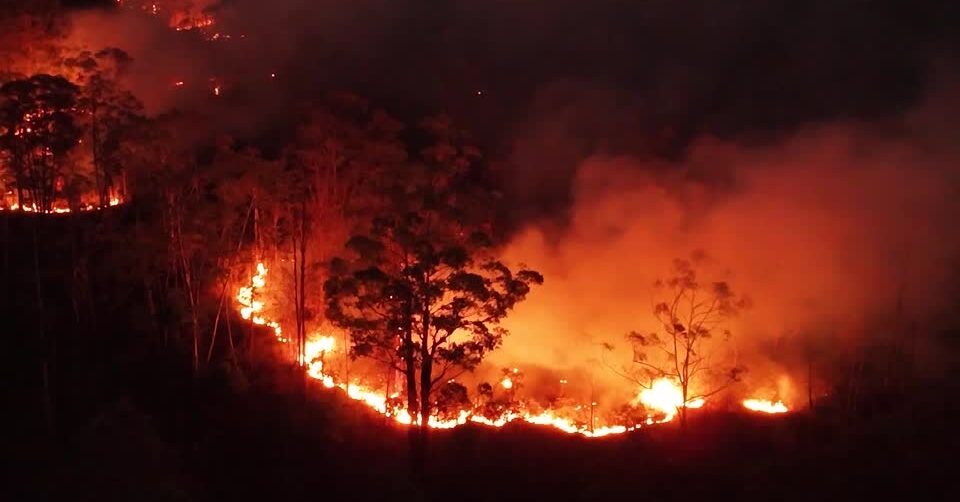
[689, 313]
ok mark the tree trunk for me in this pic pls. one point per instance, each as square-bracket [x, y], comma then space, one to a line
[6, 262]
[685, 386]
[413, 432]
[95, 151]
[426, 370]
[683, 406]
[296, 289]
[410, 374]
[192, 299]
[48, 403]
[303, 278]
[216, 321]
[233, 350]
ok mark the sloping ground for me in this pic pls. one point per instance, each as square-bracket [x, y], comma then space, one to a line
[127, 420]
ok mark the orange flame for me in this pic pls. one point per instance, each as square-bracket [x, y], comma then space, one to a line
[664, 396]
[764, 406]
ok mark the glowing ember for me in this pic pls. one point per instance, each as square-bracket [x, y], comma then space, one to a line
[764, 406]
[506, 383]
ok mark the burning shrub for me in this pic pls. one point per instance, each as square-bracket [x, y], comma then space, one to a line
[452, 398]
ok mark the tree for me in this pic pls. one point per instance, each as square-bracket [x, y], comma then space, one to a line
[690, 314]
[422, 291]
[194, 217]
[342, 149]
[451, 400]
[110, 111]
[38, 128]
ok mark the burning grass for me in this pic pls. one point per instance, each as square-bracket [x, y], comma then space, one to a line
[661, 402]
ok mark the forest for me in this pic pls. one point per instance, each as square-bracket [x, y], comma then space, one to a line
[366, 251]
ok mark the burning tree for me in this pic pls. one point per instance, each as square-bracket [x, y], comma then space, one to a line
[342, 151]
[422, 292]
[690, 314]
[37, 131]
[110, 111]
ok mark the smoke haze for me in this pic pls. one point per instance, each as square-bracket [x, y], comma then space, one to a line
[805, 148]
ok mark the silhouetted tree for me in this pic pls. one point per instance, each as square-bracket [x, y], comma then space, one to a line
[334, 168]
[422, 282]
[690, 313]
[110, 111]
[38, 128]
[452, 398]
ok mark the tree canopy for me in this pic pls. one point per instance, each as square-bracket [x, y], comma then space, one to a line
[421, 290]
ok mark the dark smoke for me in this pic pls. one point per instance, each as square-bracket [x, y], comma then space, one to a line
[807, 147]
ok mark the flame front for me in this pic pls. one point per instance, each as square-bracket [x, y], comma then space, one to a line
[251, 308]
[764, 406]
[58, 207]
[664, 396]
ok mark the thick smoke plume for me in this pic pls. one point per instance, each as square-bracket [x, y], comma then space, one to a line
[770, 136]
[841, 234]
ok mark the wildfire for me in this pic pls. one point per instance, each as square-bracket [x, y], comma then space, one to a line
[187, 24]
[764, 406]
[664, 396]
[251, 308]
[313, 353]
[59, 208]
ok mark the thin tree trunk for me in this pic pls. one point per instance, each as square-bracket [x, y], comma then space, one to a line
[426, 370]
[303, 279]
[685, 387]
[300, 282]
[226, 283]
[6, 262]
[216, 321]
[74, 279]
[296, 290]
[95, 151]
[188, 284]
[48, 402]
[233, 350]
